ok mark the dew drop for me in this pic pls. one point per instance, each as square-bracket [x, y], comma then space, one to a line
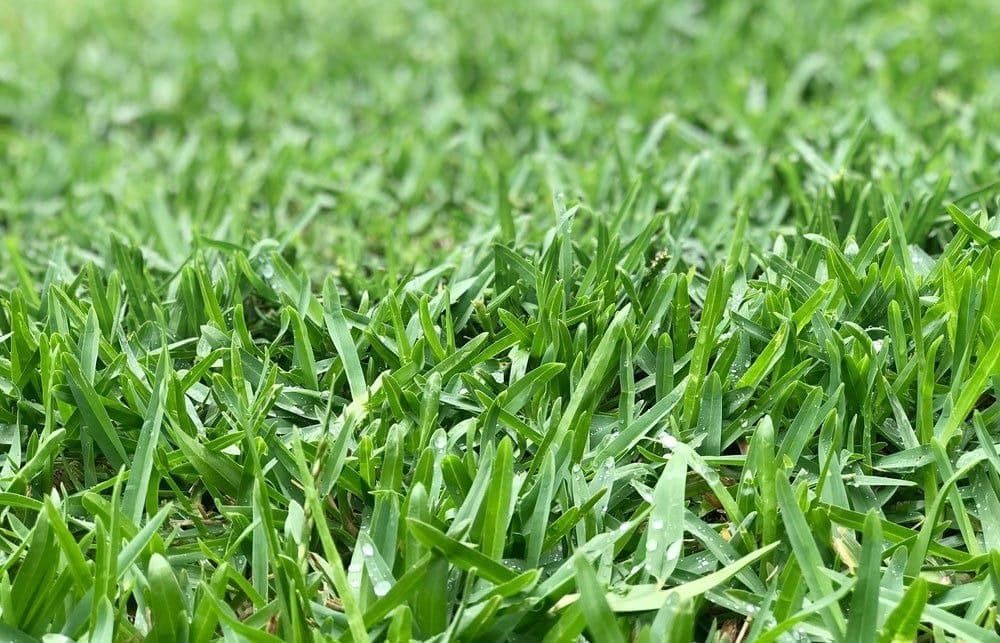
[354, 568]
[667, 441]
[382, 588]
[674, 550]
[441, 442]
[367, 550]
[651, 545]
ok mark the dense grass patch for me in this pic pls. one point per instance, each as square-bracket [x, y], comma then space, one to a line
[479, 321]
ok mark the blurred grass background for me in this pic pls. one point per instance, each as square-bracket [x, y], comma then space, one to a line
[383, 132]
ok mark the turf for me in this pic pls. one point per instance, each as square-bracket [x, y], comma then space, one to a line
[499, 321]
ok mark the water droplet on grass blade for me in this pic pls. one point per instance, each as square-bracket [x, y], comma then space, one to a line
[667, 441]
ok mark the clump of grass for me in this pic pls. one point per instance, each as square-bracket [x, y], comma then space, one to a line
[436, 341]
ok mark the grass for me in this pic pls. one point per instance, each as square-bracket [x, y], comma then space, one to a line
[470, 321]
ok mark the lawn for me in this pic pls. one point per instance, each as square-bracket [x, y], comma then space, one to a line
[520, 321]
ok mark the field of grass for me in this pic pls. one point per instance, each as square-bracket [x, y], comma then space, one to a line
[520, 321]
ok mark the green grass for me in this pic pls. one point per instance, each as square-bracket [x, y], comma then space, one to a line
[499, 321]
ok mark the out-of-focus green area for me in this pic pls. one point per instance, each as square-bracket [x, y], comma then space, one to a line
[162, 121]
